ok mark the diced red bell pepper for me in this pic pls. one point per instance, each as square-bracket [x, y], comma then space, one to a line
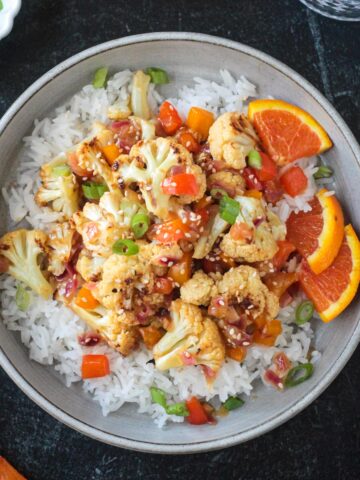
[294, 181]
[281, 256]
[268, 169]
[94, 366]
[163, 285]
[197, 413]
[180, 184]
[188, 141]
[169, 118]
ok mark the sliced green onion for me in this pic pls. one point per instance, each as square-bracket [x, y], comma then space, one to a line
[233, 402]
[158, 396]
[229, 209]
[299, 374]
[1, 5]
[323, 172]
[125, 247]
[61, 170]
[304, 312]
[178, 409]
[158, 75]
[217, 193]
[22, 298]
[94, 191]
[254, 159]
[139, 224]
[99, 79]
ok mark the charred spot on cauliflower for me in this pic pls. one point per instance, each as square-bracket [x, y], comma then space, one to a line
[59, 189]
[231, 137]
[23, 249]
[59, 246]
[190, 340]
[199, 289]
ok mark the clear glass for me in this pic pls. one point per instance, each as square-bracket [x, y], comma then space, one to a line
[348, 10]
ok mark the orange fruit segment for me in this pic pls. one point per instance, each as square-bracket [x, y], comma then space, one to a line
[287, 132]
[318, 233]
[333, 290]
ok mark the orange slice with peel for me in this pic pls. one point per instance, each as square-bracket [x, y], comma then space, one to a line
[333, 290]
[318, 233]
[287, 132]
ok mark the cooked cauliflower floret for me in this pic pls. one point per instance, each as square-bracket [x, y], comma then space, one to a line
[120, 110]
[150, 162]
[59, 189]
[190, 340]
[214, 228]
[199, 289]
[23, 248]
[98, 228]
[89, 266]
[266, 229]
[121, 337]
[59, 245]
[231, 137]
[244, 283]
[139, 94]
[161, 255]
[232, 183]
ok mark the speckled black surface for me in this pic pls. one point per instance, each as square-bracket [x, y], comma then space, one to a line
[324, 440]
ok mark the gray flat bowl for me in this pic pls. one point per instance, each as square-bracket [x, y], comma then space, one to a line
[184, 55]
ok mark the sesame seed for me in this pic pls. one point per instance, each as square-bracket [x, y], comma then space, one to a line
[246, 344]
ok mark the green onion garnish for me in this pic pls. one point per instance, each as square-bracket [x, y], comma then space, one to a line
[323, 172]
[304, 312]
[158, 396]
[94, 191]
[139, 224]
[217, 193]
[22, 298]
[233, 402]
[254, 159]
[299, 374]
[229, 209]
[158, 75]
[178, 409]
[1, 5]
[99, 79]
[125, 247]
[61, 170]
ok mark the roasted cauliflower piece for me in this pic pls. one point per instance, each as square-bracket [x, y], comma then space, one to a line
[139, 93]
[23, 248]
[161, 255]
[150, 162]
[59, 189]
[190, 340]
[123, 338]
[98, 228]
[266, 229]
[243, 283]
[59, 246]
[232, 183]
[120, 110]
[199, 289]
[231, 137]
[214, 228]
[89, 266]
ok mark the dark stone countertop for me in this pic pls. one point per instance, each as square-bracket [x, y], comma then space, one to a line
[324, 440]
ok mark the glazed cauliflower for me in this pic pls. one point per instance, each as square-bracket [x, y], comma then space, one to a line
[98, 228]
[266, 229]
[214, 228]
[243, 283]
[139, 95]
[161, 255]
[23, 248]
[199, 289]
[89, 266]
[59, 246]
[232, 183]
[150, 162]
[190, 340]
[121, 337]
[59, 189]
[231, 137]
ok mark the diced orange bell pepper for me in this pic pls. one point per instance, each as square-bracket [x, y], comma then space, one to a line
[111, 152]
[236, 353]
[200, 121]
[273, 327]
[170, 231]
[163, 285]
[281, 256]
[253, 194]
[169, 118]
[94, 366]
[181, 271]
[8, 472]
[84, 299]
[188, 141]
[151, 335]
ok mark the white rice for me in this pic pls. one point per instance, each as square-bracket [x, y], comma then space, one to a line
[50, 330]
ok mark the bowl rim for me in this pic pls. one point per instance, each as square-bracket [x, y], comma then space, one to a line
[343, 356]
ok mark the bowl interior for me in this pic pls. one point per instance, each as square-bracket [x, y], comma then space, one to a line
[183, 59]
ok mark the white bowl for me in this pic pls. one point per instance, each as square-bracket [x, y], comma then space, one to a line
[7, 15]
[184, 55]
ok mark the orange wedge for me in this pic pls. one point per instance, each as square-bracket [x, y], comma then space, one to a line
[287, 132]
[333, 290]
[318, 234]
